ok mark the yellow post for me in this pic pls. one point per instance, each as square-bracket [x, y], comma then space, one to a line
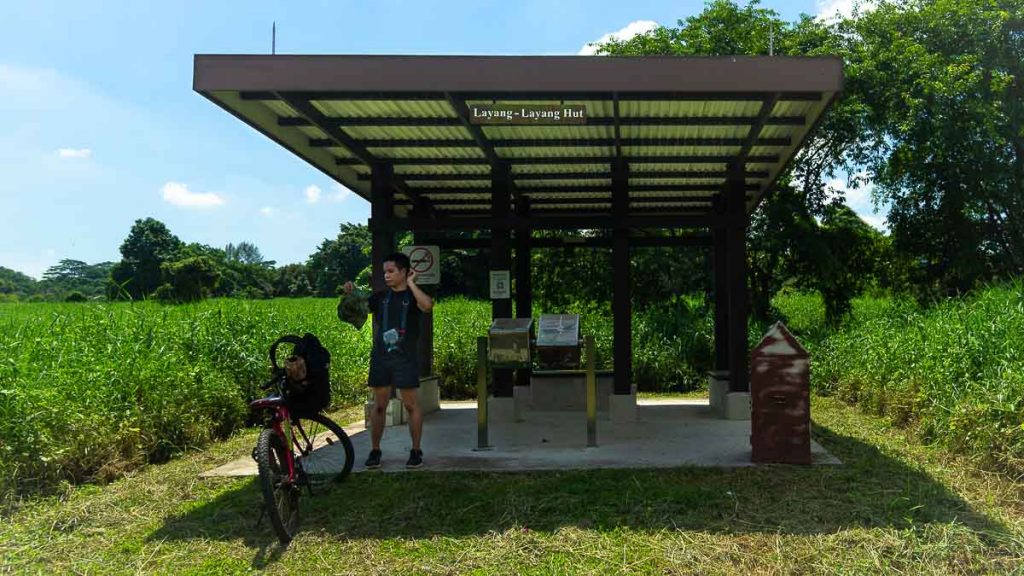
[591, 393]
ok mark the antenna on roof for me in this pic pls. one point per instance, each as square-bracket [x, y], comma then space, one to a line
[771, 38]
[273, 38]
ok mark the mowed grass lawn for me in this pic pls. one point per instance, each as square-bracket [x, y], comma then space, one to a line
[894, 506]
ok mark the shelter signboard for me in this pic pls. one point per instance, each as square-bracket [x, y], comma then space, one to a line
[527, 114]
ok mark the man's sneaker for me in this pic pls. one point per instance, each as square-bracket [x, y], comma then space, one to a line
[374, 460]
[415, 459]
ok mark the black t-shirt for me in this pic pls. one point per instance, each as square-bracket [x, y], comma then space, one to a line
[410, 341]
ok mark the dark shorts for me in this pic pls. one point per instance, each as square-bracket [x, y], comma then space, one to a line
[393, 370]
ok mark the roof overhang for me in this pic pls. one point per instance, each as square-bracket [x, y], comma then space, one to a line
[677, 122]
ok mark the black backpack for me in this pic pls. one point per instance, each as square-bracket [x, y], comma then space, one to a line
[313, 394]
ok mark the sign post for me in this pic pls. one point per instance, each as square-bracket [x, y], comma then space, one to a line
[500, 284]
[426, 262]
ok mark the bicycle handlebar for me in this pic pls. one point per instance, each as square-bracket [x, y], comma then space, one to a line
[289, 339]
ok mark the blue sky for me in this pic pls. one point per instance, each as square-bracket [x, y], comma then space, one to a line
[101, 126]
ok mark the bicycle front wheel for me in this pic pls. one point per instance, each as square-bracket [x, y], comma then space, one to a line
[324, 450]
[280, 494]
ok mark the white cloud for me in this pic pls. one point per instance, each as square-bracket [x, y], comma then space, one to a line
[313, 193]
[74, 153]
[340, 193]
[267, 211]
[632, 29]
[834, 9]
[178, 194]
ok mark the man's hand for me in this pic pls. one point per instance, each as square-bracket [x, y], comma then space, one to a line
[411, 278]
[348, 287]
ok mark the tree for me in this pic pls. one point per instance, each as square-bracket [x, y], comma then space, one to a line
[69, 276]
[14, 285]
[148, 246]
[246, 253]
[339, 260]
[192, 278]
[943, 82]
[286, 277]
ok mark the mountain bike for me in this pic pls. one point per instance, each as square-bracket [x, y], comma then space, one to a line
[294, 451]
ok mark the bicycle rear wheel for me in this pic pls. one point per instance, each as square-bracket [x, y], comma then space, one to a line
[324, 450]
[280, 495]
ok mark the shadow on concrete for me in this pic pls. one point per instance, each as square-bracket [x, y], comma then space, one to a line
[870, 489]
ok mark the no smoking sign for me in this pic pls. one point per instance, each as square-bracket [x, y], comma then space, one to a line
[426, 262]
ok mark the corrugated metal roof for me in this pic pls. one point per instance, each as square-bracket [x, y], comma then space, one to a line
[687, 109]
[408, 132]
[684, 131]
[548, 132]
[634, 151]
[427, 184]
[313, 132]
[278, 118]
[385, 108]
[443, 169]
[525, 183]
[564, 152]
[280, 108]
[445, 152]
[518, 169]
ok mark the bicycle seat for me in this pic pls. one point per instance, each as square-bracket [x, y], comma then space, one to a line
[267, 402]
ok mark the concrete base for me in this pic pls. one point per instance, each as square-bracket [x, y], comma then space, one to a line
[428, 396]
[667, 433]
[718, 388]
[521, 396]
[393, 416]
[567, 391]
[622, 407]
[501, 410]
[737, 406]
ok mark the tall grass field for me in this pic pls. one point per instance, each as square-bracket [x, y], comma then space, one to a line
[90, 391]
[953, 373]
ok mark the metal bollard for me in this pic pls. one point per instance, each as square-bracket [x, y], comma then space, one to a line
[591, 394]
[481, 394]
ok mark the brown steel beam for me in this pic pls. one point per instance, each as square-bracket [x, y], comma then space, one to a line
[432, 121]
[622, 309]
[565, 160]
[516, 96]
[501, 259]
[709, 174]
[551, 143]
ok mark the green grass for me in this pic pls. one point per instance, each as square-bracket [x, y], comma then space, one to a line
[894, 506]
[91, 391]
[953, 373]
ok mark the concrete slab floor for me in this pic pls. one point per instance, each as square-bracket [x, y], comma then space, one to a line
[667, 433]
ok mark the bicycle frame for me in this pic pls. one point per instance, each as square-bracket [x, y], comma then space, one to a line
[281, 422]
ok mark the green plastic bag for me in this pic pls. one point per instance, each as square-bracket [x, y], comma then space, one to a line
[354, 308]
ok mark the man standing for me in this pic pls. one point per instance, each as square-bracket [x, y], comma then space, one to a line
[393, 360]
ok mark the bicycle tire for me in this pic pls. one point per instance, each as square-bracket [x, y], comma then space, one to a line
[280, 498]
[325, 452]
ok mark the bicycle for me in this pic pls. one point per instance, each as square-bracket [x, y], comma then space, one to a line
[294, 450]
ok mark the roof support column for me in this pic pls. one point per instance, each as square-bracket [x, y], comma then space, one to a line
[720, 274]
[382, 216]
[736, 212]
[524, 280]
[501, 258]
[622, 309]
[426, 344]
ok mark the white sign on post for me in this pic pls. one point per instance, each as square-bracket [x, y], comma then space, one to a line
[501, 285]
[426, 261]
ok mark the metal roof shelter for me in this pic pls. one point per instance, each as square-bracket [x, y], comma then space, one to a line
[661, 143]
